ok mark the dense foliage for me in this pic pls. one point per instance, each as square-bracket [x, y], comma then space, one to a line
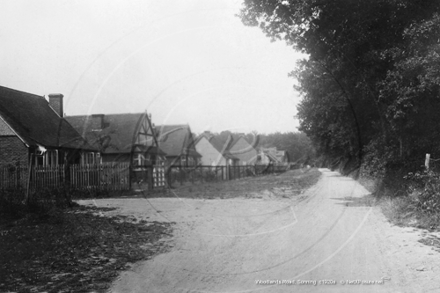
[297, 144]
[370, 84]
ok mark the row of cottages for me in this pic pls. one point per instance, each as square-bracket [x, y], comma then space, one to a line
[128, 138]
[34, 131]
[272, 156]
[233, 150]
[133, 138]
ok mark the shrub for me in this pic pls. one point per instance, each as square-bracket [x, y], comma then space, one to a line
[13, 201]
[425, 189]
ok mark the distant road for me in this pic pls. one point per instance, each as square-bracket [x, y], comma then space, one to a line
[328, 240]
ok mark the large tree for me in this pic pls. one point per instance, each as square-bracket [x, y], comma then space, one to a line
[356, 82]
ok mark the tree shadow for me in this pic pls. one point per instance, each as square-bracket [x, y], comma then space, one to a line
[335, 175]
[341, 177]
[349, 201]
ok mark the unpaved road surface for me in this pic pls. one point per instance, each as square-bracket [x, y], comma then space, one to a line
[327, 240]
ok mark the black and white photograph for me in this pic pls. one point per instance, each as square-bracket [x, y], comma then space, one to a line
[219, 146]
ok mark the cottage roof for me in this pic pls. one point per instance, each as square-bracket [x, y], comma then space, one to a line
[243, 148]
[36, 123]
[282, 154]
[273, 154]
[112, 133]
[176, 140]
[221, 143]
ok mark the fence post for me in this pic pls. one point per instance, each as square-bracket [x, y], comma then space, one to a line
[150, 175]
[427, 161]
[29, 178]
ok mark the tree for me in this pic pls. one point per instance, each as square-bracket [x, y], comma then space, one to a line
[411, 89]
[297, 144]
[354, 83]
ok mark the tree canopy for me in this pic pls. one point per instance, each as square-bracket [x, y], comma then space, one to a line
[370, 84]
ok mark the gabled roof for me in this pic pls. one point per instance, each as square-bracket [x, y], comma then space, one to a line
[176, 140]
[36, 123]
[274, 154]
[237, 137]
[271, 156]
[281, 154]
[221, 144]
[111, 133]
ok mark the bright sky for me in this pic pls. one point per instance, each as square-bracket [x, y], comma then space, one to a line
[184, 61]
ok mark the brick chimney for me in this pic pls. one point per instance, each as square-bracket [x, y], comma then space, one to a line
[56, 102]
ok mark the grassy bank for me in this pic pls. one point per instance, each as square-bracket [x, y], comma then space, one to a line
[408, 200]
[72, 250]
[286, 184]
[403, 210]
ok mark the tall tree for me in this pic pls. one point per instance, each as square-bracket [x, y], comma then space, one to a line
[350, 81]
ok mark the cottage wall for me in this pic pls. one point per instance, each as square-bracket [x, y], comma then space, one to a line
[115, 158]
[264, 159]
[210, 155]
[172, 161]
[13, 151]
[5, 130]
[244, 151]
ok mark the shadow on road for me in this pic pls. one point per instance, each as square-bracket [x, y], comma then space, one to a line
[364, 201]
[335, 175]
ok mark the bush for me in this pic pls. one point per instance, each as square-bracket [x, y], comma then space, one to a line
[13, 201]
[424, 187]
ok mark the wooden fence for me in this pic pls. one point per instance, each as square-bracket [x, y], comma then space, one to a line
[200, 174]
[103, 177]
[13, 177]
[111, 176]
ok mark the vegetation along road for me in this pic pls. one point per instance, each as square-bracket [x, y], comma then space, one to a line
[327, 239]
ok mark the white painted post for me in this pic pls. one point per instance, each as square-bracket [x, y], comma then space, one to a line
[427, 161]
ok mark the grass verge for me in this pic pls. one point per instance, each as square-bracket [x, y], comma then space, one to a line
[286, 184]
[402, 211]
[74, 250]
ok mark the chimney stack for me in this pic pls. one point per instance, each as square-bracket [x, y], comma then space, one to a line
[56, 102]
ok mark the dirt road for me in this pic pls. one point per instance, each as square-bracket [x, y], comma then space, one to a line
[328, 240]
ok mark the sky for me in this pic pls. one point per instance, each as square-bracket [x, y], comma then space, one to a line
[183, 61]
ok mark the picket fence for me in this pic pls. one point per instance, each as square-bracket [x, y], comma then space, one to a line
[201, 174]
[116, 177]
[103, 177]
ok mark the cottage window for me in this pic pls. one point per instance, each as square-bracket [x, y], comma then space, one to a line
[39, 160]
[49, 158]
[183, 160]
[139, 160]
[98, 158]
[89, 158]
[142, 160]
